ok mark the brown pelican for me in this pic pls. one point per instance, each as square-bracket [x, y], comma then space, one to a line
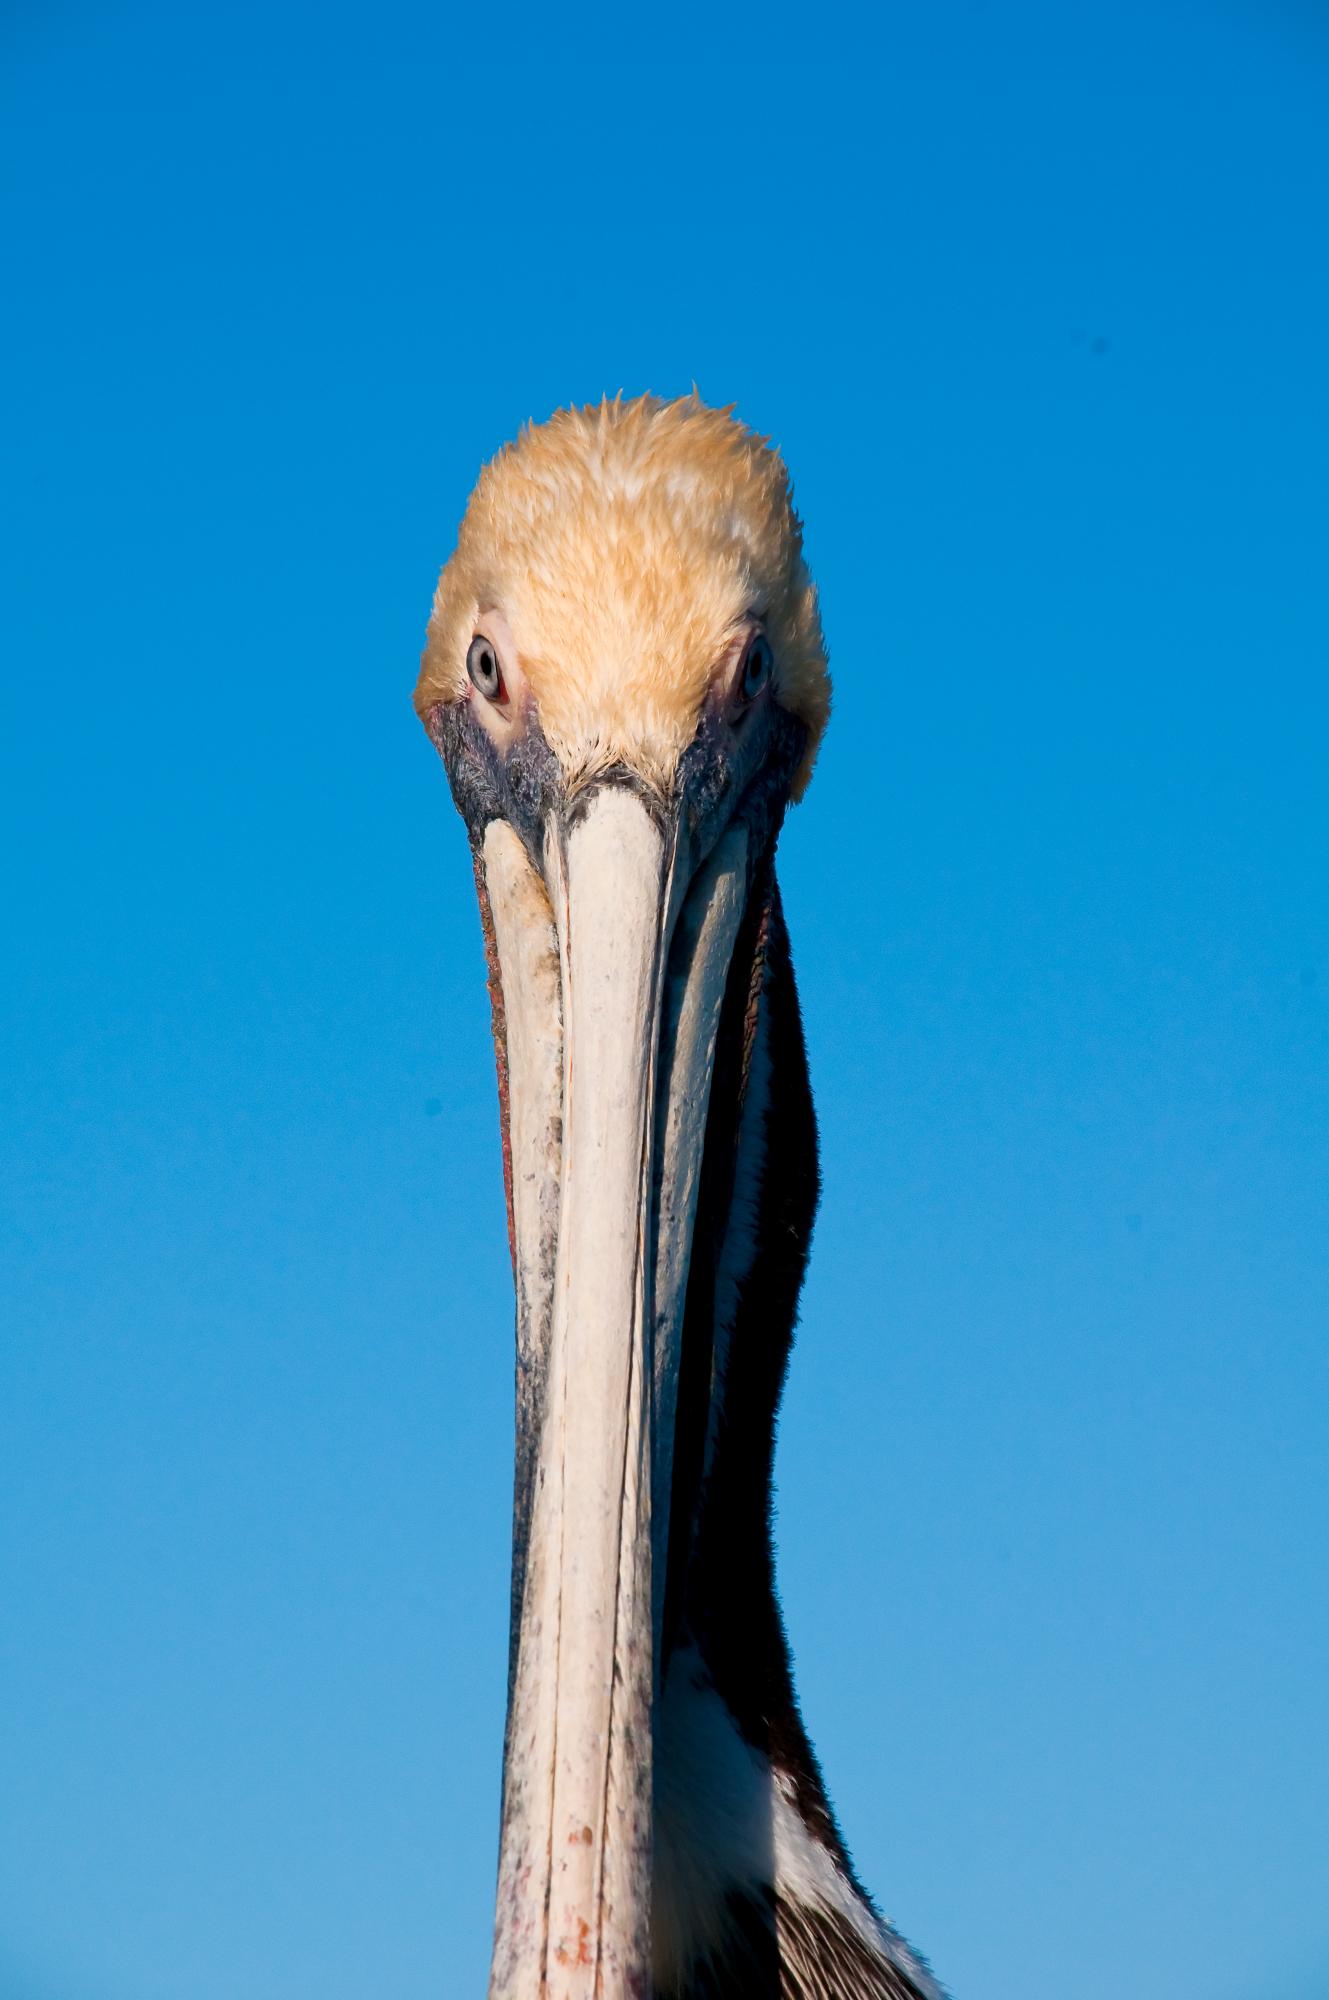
[626, 679]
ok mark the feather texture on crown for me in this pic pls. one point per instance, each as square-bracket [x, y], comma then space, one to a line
[625, 543]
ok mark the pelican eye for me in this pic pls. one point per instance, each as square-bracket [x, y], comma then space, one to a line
[484, 670]
[757, 668]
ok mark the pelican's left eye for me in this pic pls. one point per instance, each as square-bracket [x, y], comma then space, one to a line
[484, 670]
[757, 668]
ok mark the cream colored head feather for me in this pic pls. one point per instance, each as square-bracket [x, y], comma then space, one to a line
[625, 545]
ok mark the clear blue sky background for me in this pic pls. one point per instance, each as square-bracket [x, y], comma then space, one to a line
[1036, 300]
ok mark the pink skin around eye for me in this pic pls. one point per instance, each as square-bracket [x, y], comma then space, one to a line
[499, 716]
[738, 701]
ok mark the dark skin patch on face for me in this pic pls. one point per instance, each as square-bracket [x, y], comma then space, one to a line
[524, 784]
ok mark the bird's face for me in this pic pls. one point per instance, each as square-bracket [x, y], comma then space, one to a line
[626, 681]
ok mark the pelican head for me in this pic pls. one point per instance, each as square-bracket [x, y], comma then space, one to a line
[626, 679]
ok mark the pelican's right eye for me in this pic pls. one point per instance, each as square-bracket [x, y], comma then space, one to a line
[484, 670]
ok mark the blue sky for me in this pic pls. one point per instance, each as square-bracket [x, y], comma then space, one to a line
[1035, 300]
